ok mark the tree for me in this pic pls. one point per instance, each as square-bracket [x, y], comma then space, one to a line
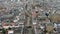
[55, 18]
[4, 31]
[47, 14]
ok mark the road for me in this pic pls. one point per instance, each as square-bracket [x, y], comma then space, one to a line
[19, 30]
[28, 31]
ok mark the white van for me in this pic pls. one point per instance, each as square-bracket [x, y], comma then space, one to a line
[10, 31]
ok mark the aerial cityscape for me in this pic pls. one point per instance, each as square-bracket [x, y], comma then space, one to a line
[29, 16]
